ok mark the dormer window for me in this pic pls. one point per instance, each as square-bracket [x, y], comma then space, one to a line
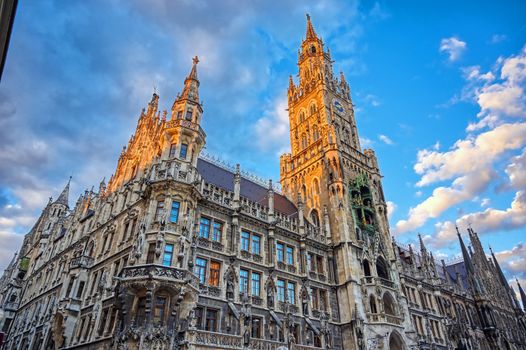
[189, 114]
[313, 49]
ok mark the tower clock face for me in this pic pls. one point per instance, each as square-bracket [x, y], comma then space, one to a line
[338, 106]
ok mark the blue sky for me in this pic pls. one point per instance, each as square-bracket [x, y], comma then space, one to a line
[438, 88]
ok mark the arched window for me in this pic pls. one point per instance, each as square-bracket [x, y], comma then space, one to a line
[304, 193]
[366, 268]
[389, 304]
[304, 141]
[315, 187]
[315, 218]
[312, 109]
[302, 117]
[315, 133]
[382, 269]
[396, 342]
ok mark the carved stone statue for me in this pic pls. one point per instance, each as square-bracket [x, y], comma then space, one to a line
[270, 296]
[230, 288]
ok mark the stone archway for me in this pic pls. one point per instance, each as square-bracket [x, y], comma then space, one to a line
[396, 342]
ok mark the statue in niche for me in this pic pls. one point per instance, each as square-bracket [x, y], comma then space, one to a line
[230, 288]
[270, 296]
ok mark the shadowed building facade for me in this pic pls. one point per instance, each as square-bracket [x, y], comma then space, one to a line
[178, 251]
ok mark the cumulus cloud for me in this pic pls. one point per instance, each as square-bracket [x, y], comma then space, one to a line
[489, 220]
[272, 130]
[516, 171]
[470, 164]
[391, 208]
[385, 139]
[453, 47]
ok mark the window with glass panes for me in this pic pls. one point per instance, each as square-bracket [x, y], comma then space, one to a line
[217, 228]
[319, 263]
[291, 292]
[290, 255]
[173, 149]
[174, 213]
[215, 268]
[200, 269]
[280, 252]
[211, 320]
[245, 240]
[189, 114]
[310, 265]
[255, 284]
[314, 298]
[281, 290]
[159, 211]
[243, 281]
[257, 324]
[256, 244]
[183, 151]
[168, 254]
[323, 300]
[150, 257]
[158, 311]
[204, 227]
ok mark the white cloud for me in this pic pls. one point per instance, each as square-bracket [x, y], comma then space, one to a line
[366, 142]
[516, 171]
[391, 208]
[272, 130]
[489, 220]
[514, 259]
[453, 47]
[373, 100]
[385, 139]
[485, 202]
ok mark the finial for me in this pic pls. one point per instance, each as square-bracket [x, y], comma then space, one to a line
[458, 232]
[270, 184]
[195, 60]
[308, 16]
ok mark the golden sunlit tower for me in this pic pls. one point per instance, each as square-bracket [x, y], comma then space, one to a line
[338, 183]
[183, 136]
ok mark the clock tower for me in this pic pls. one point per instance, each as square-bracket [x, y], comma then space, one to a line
[338, 185]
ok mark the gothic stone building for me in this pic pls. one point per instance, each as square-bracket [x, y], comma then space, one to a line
[178, 251]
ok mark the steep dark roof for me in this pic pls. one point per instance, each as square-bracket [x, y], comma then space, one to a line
[224, 178]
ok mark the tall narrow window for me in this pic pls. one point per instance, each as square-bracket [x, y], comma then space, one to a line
[323, 300]
[314, 298]
[310, 262]
[189, 115]
[215, 268]
[291, 293]
[141, 311]
[319, 264]
[211, 320]
[174, 213]
[243, 281]
[168, 254]
[245, 240]
[216, 231]
[125, 232]
[204, 227]
[173, 149]
[179, 114]
[256, 327]
[199, 317]
[150, 258]
[80, 289]
[184, 150]
[256, 244]
[281, 290]
[200, 269]
[159, 211]
[290, 255]
[280, 250]
[158, 312]
[255, 284]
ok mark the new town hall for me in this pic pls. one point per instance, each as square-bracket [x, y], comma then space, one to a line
[177, 251]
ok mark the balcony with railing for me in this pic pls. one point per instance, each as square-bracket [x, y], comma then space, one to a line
[378, 281]
[385, 318]
[159, 272]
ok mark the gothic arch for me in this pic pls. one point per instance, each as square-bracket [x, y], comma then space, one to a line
[312, 108]
[396, 342]
[315, 218]
[389, 304]
[372, 304]
[366, 268]
[382, 269]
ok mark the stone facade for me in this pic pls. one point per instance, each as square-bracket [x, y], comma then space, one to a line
[178, 251]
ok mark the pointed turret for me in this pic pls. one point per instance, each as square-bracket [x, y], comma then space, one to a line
[465, 255]
[64, 195]
[191, 84]
[502, 278]
[311, 34]
[523, 295]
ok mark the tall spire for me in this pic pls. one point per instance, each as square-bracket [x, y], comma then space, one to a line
[465, 255]
[311, 34]
[64, 196]
[499, 270]
[191, 84]
[523, 295]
